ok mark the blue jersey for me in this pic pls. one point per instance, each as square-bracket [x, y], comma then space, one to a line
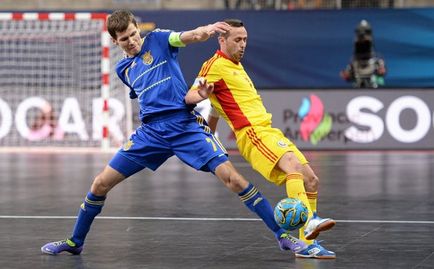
[154, 76]
[169, 127]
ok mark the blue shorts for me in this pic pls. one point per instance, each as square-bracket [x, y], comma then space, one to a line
[182, 133]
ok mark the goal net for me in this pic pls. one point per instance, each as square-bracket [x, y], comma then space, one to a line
[57, 82]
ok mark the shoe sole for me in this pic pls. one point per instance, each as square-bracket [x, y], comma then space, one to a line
[315, 257]
[321, 228]
[54, 253]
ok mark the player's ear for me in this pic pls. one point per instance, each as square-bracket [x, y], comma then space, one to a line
[114, 41]
[221, 39]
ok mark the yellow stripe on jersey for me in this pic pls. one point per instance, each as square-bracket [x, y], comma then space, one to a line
[207, 65]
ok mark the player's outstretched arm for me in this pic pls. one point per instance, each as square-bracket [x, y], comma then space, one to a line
[202, 33]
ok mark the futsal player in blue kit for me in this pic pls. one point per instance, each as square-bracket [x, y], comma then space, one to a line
[169, 127]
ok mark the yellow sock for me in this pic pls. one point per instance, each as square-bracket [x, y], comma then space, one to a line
[312, 197]
[295, 189]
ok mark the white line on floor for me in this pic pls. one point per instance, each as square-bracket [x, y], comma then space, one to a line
[209, 219]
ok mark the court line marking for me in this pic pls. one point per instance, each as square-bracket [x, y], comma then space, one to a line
[209, 219]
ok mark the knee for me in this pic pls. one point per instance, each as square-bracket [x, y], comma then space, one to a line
[311, 183]
[238, 183]
[289, 163]
[100, 185]
[231, 178]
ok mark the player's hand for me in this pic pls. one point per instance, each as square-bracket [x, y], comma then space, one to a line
[218, 27]
[205, 89]
[211, 29]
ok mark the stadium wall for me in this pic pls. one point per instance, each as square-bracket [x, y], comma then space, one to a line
[301, 52]
[307, 49]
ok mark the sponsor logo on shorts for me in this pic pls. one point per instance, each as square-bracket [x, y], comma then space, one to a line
[282, 144]
[128, 145]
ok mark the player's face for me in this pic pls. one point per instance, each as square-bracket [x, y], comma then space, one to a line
[235, 43]
[129, 40]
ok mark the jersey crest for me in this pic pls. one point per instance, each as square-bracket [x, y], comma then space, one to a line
[147, 58]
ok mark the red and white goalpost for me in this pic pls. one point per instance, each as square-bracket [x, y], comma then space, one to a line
[58, 83]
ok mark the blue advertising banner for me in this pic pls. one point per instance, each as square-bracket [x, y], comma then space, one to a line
[308, 48]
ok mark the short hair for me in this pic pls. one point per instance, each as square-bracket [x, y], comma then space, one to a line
[234, 23]
[119, 21]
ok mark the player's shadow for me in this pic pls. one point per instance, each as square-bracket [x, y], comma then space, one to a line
[63, 261]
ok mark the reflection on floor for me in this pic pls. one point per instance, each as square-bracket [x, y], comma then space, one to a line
[181, 218]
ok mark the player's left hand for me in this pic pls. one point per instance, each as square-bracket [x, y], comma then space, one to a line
[205, 89]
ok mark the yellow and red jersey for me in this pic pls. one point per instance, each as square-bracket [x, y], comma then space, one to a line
[234, 97]
[237, 101]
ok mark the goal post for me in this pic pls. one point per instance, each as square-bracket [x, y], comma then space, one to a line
[58, 85]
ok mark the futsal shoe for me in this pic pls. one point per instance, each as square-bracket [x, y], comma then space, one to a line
[316, 251]
[315, 225]
[67, 245]
[288, 242]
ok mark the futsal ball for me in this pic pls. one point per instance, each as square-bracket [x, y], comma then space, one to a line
[290, 214]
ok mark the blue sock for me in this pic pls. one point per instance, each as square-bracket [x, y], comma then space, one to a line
[257, 203]
[91, 207]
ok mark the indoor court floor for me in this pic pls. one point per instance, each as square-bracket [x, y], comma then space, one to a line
[176, 217]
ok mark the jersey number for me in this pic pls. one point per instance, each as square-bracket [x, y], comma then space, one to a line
[214, 147]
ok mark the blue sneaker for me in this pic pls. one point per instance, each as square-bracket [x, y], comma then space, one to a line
[288, 242]
[315, 225]
[316, 251]
[55, 248]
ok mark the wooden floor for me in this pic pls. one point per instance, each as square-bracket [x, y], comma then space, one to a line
[383, 203]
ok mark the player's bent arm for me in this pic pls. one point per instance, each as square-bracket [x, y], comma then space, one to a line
[212, 122]
[202, 33]
[213, 119]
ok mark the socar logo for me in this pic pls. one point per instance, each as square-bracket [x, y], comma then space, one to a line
[315, 124]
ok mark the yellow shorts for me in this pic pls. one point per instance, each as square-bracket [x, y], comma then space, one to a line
[262, 147]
